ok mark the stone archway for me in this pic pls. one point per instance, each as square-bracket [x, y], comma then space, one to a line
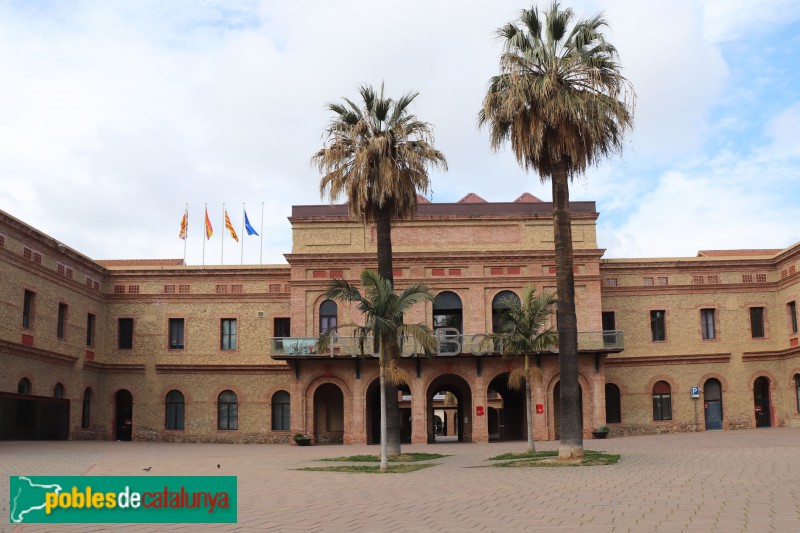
[442, 392]
[328, 414]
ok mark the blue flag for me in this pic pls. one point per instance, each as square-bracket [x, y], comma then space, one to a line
[247, 226]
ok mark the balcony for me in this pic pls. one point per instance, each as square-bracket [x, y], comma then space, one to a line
[450, 344]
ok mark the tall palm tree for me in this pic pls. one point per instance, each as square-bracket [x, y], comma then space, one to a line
[377, 154]
[561, 100]
[383, 310]
[524, 332]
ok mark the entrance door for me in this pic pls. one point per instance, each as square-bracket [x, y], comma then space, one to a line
[761, 403]
[124, 415]
[712, 396]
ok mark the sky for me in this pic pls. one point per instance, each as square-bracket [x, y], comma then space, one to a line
[114, 115]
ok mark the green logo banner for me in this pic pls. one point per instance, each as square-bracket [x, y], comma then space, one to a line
[117, 499]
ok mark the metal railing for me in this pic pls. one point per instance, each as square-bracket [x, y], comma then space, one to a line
[449, 343]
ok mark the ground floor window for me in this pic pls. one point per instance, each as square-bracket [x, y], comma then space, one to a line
[228, 407]
[175, 408]
[280, 411]
[613, 404]
[797, 390]
[662, 401]
[87, 408]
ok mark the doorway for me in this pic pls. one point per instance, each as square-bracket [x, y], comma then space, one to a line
[761, 403]
[123, 401]
[507, 417]
[712, 404]
[328, 414]
[449, 398]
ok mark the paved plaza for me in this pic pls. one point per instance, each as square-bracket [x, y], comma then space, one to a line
[716, 481]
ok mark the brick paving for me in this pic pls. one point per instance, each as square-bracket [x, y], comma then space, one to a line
[716, 481]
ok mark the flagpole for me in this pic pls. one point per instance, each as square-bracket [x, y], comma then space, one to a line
[261, 254]
[243, 212]
[186, 236]
[204, 235]
[222, 251]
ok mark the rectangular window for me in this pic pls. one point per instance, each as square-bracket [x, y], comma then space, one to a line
[708, 323]
[609, 324]
[90, 320]
[62, 320]
[281, 327]
[658, 325]
[176, 333]
[27, 310]
[228, 334]
[125, 331]
[757, 322]
[791, 307]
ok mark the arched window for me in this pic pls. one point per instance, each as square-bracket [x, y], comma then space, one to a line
[447, 311]
[174, 409]
[24, 386]
[58, 391]
[662, 401]
[499, 303]
[87, 408]
[328, 319]
[228, 408]
[613, 404]
[280, 411]
[797, 390]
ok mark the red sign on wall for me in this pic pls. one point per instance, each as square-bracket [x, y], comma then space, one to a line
[479, 410]
[539, 408]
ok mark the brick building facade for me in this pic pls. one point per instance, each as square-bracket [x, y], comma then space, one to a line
[156, 350]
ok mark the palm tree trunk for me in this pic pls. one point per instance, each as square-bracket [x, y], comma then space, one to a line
[384, 447]
[528, 406]
[571, 445]
[383, 229]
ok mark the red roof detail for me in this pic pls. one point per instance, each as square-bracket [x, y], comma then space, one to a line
[422, 200]
[472, 198]
[527, 198]
[141, 262]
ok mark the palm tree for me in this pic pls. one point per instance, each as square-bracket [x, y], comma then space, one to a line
[562, 102]
[523, 332]
[377, 154]
[383, 310]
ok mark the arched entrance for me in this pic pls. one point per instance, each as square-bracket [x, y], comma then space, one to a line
[557, 408]
[123, 419]
[328, 414]
[373, 413]
[450, 398]
[712, 404]
[761, 403]
[507, 417]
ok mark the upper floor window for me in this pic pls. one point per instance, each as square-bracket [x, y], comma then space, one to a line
[708, 323]
[282, 327]
[174, 414]
[176, 334]
[228, 334]
[609, 324]
[658, 325]
[447, 311]
[662, 401]
[24, 386]
[328, 315]
[502, 301]
[791, 308]
[757, 330]
[90, 324]
[125, 333]
[27, 309]
[62, 321]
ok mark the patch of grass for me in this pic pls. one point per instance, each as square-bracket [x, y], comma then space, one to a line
[402, 458]
[590, 458]
[525, 455]
[370, 469]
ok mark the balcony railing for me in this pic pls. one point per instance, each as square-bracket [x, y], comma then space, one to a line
[449, 343]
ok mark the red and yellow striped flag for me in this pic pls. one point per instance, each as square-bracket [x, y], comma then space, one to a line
[230, 227]
[209, 229]
[184, 225]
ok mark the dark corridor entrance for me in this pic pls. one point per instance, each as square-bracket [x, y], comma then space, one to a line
[507, 416]
[123, 415]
